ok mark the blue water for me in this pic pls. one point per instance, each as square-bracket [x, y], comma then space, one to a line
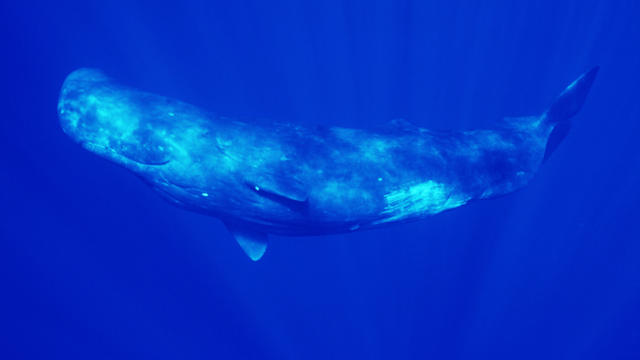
[94, 265]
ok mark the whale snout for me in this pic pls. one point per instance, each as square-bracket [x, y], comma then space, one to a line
[71, 114]
[106, 120]
[75, 100]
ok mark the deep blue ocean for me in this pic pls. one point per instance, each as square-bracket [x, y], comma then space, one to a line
[95, 265]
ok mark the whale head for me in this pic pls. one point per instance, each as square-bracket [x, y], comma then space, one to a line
[112, 121]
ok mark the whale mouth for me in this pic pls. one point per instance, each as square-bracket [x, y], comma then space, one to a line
[146, 162]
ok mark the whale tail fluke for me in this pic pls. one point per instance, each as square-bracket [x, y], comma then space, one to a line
[571, 99]
[565, 107]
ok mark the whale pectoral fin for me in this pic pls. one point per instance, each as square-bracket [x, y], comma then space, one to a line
[253, 243]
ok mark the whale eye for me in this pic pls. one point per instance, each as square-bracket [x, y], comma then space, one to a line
[145, 148]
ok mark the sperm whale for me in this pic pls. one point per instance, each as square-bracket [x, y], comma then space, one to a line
[288, 179]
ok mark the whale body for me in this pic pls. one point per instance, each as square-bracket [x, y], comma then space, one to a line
[287, 179]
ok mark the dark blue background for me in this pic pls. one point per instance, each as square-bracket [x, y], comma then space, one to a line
[94, 265]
